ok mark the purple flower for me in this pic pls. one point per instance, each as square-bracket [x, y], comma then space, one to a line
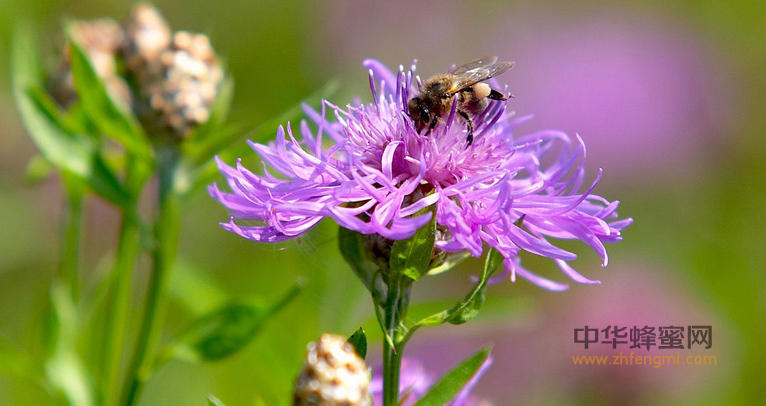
[509, 192]
[415, 381]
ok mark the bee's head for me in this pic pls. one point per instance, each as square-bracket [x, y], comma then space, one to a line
[419, 112]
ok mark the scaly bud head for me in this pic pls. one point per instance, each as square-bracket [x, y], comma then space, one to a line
[332, 375]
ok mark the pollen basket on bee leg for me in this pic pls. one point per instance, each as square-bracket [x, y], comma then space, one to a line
[481, 90]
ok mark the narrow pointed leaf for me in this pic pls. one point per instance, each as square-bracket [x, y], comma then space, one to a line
[111, 119]
[469, 307]
[40, 118]
[64, 368]
[359, 341]
[226, 330]
[451, 383]
[46, 126]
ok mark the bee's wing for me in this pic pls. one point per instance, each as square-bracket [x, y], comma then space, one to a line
[476, 63]
[480, 70]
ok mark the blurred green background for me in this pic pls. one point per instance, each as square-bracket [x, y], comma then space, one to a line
[669, 99]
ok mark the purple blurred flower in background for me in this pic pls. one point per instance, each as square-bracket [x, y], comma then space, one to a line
[640, 87]
[415, 381]
[509, 192]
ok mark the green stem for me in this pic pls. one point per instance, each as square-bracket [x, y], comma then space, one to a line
[69, 266]
[118, 312]
[165, 243]
[119, 308]
[397, 302]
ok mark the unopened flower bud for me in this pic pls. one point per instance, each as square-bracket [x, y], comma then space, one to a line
[101, 40]
[179, 98]
[332, 375]
[147, 37]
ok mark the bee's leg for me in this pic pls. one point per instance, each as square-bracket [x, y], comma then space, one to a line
[468, 120]
[432, 125]
[495, 95]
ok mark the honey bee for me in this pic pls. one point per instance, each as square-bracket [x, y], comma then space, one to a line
[467, 82]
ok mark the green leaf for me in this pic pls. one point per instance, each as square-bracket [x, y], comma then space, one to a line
[77, 121]
[45, 125]
[353, 250]
[38, 113]
[64, 369]
[110, 118]
[473, 302]
[491, 263]
[105, 184]
[412, 256]
[225, 330]
[214, 401]
[469, 307]
[359, 341]
[453, 381]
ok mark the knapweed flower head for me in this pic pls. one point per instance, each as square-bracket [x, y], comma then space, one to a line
[415, 381]
[371, 171]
